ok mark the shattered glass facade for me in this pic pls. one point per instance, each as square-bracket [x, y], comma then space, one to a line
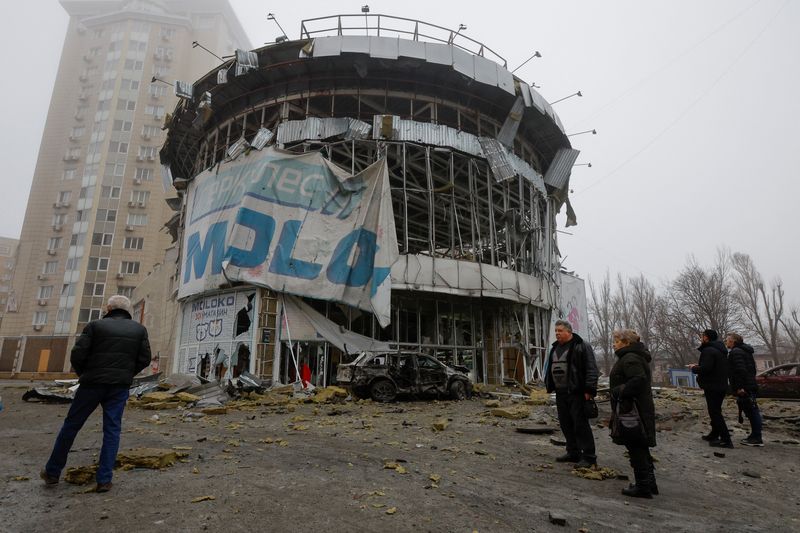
[477, 283]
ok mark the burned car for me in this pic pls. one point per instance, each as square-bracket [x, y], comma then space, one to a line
[384, 376]
[782, 381]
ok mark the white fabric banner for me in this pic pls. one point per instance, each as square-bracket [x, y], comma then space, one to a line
[293, 223]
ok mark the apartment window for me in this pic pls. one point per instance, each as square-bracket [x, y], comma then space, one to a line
[50, 267]
[167, 33]
[129, 85]
[98, 264]
[149, 131]
[68, 289]
[82, 215]
[122, 125]
[77, 239]
[40, 318]
[147, 152]
[68, 174]
[45, 292]
[59, 219]
[131, 64]
[86, 192]
[126, 105]
[144, 174]
[137, 219]
[115, 169]
[64, 197]
[94, 289]
[129, 267]
[161, 71]
[72, 263]
[157, 90]
[155, 110]
[102, 239]
[133, 243]
[87, 315]
[125, 291]
[107, 191]
[97, 33]
[54, 243]
[118, 147]
[106, 215]
[140, 197]
[77, 132]
[72, 154]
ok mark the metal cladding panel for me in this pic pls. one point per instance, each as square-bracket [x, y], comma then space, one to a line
[558, 174]
[321, 128]
[526, 171]
[539, 102]
[485, 70]
[327, 46]
[495, 155]
[463, 63]
[505, 80]
[509, 130]
[383, 47]
[441, 54]
[526, 94]
[358, 44]
[415, 49]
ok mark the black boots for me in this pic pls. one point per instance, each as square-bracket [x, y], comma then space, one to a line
[642, 487]
[651, 478]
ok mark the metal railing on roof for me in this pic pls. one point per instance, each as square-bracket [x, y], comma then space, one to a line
[391, 26]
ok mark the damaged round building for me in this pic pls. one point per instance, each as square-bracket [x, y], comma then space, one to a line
[381, 189]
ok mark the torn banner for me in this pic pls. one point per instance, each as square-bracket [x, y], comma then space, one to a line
[293, 223]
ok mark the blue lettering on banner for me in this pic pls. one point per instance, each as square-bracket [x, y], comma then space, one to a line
[340, 271]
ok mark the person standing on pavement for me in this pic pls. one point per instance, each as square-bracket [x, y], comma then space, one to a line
[712, 376]
[107, 355]
[630, 382]
[572, 374]
[743, 385]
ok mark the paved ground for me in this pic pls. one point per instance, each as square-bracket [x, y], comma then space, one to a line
[323, 468]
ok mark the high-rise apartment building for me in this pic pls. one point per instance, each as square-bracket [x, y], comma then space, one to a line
[8, 257]
[96, 211]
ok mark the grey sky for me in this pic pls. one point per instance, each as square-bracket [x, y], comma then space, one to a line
[695, 104]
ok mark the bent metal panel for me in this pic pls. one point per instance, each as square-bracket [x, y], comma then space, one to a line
[293, 223]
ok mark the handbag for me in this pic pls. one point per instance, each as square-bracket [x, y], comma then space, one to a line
[627, 426]
[590, 409]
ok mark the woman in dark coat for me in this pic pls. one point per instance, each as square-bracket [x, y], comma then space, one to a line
[630, 381]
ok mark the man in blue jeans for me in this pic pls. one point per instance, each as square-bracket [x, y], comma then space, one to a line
[106, 357]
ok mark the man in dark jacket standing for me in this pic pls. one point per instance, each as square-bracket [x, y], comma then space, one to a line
[106, 357]
[743, 385]
[572, 374]
[712, 376]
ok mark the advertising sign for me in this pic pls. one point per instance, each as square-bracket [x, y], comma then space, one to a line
[294, 223]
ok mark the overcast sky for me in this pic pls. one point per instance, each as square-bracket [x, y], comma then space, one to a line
[695, 104]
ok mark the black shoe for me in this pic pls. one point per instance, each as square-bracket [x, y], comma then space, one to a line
[103, 487]
[710, 437]
[567, 458]
[721, 444]
[636, 491]
[750, 441]
[48, 479]
[585, 463]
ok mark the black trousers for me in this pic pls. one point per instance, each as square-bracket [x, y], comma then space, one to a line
[642, 464]
[714, 401]
[575, 426]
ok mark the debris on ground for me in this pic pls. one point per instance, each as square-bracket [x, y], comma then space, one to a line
[515, 412]
[596, 473]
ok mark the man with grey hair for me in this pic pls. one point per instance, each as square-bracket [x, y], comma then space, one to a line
[571, 371]
[106, 356]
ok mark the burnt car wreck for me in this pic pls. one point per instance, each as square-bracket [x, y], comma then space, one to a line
[385, 376]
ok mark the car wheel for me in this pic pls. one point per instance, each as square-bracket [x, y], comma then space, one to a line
[383, 391]
[458, 391]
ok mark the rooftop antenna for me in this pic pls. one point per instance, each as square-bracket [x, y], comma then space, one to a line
[579, 94]
[593, 132]
[365, 10]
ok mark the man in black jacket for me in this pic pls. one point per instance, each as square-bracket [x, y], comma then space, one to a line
[712, 376]
[571, 371]
[743, 385]
[106, 357]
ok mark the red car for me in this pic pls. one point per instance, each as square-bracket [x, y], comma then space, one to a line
[782, 381]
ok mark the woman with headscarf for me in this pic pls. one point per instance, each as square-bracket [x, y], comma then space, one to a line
[630, 383]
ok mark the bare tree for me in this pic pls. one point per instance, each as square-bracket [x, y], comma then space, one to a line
[622, 304]
[791, 326]
[602, 320]
[644, 307]
[674, 337]
[704, 298]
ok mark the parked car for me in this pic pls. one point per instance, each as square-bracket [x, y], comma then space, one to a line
[384, 376]
[782, 381]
